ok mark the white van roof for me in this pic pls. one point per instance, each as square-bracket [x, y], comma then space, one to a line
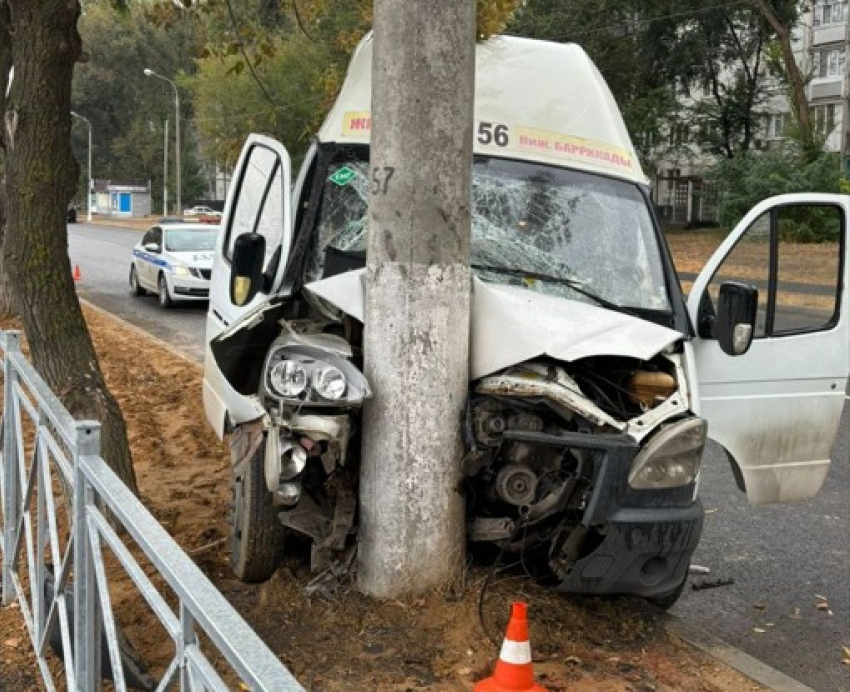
[552, 101]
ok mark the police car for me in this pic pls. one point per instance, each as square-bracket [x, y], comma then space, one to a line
[175, 262]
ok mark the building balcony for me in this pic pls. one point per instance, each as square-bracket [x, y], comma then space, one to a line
[831, 33]
[826, 88]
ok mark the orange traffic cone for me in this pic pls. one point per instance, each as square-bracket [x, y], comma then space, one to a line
[77, 275]
[514, 672]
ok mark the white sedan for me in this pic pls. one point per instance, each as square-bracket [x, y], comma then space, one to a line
[175, 262]
[201, 210]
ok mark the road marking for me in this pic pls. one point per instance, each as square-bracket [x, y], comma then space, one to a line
[102, 242]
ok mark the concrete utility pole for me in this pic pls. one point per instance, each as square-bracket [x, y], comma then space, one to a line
[417, 296]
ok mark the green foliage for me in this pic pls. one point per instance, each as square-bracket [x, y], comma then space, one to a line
[747, 179]
[230, 104]
[128, 110]
[809, 225]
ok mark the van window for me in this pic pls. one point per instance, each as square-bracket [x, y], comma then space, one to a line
[792, 255]
[553, 223]
[259, 205]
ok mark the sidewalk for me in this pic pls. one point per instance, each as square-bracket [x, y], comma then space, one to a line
[142, 223]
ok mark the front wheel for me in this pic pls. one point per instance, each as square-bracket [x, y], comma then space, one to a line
[165, 299]
[256, 534]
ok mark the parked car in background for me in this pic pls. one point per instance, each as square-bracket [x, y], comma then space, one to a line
[174, 261]
[201, 210]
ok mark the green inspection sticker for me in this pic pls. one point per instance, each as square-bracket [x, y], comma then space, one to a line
[343, 176]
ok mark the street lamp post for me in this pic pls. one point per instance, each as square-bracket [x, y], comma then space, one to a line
[165, 170]
[90, 182]
[151, 73]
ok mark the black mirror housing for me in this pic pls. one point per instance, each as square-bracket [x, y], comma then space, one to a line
[246, 275]
[735, 322]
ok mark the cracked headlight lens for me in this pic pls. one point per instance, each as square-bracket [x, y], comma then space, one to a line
[670, 459]
[287, 378]
[329, 382]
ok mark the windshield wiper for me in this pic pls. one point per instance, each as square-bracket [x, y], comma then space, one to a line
[573, 284]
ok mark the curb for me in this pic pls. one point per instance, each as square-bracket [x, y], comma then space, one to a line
[734, 658]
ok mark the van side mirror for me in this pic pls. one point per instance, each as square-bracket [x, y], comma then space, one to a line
[153, 247]
[735, 322]
[246, 276]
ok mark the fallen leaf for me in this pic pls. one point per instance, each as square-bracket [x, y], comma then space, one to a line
[759, 606]
[759, 630]
[11, 643]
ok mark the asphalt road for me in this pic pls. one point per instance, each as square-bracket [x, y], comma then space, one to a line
[103, 256]
[782, 559]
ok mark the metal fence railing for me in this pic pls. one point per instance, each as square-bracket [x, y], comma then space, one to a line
[60, 502]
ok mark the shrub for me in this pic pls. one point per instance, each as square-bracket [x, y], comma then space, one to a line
[747, 179]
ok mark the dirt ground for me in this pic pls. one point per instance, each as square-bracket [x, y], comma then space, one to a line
[351, 642]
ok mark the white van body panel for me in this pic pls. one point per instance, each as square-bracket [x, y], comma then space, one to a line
[776, 408]
[548, 100]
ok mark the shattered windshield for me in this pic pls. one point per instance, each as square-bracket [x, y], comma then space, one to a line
[548, 229]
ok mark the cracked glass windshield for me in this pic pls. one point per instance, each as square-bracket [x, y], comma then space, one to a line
[556, 231]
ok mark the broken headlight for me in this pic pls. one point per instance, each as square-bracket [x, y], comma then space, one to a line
[329, 382]
[306, 375]
[287, 378]
[671, 458]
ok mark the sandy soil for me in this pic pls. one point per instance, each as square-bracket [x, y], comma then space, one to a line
[351, 642]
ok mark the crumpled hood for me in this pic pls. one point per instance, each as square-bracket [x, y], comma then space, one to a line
[511, 325]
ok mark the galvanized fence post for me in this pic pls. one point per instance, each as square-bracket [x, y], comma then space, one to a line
[87, 620]
[11, 483]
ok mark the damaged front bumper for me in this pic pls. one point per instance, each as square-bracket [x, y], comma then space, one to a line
[633, 541]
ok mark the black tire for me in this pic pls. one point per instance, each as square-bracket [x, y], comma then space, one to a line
[165, 299]
[668, 600]
[256, 534]
[135, 287]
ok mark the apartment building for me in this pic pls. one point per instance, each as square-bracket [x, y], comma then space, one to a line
[822, 47]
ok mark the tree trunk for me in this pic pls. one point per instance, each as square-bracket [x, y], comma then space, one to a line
[6, 305]
[796, 81]
[417, 296]
[41, 178]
